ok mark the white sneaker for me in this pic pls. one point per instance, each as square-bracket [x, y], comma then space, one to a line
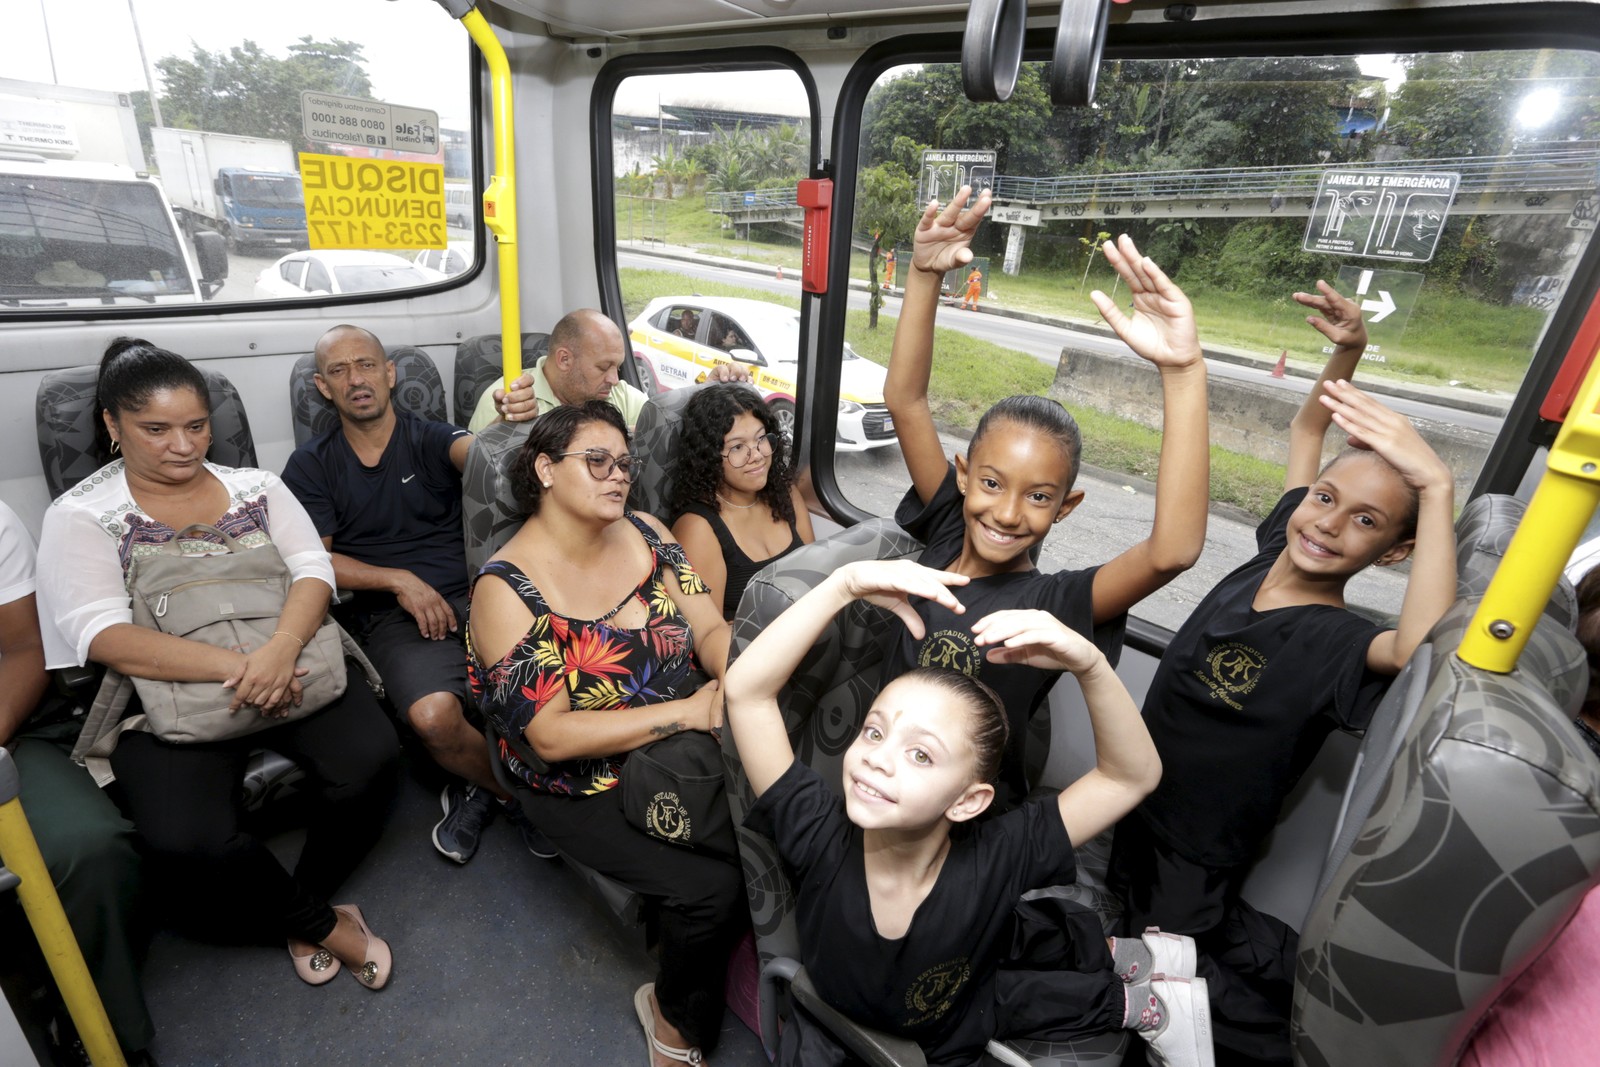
[1182, 1034]
[1171, 954]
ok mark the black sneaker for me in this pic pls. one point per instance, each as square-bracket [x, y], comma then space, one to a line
[537, 843]
[467, 810]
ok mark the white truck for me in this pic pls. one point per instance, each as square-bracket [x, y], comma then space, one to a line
[89, 235]
[65, 122]
[248, 188]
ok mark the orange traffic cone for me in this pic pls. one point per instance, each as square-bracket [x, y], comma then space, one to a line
[1283, 358]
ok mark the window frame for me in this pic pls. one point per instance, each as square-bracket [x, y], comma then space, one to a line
[602, 99]
[1508, 27]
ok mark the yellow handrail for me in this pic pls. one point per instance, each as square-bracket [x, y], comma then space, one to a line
[1556, 518]
[20, 853]
[500, 198]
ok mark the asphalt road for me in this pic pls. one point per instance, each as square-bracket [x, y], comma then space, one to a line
[1044, 341]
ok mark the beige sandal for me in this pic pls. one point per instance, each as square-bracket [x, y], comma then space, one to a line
[647, 1019]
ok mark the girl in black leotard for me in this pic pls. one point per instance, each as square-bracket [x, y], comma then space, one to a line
[733, 498]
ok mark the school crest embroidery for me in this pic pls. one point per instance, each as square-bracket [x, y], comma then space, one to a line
[668, 819]
[1232, 671]
[951, 649]
[934, 991]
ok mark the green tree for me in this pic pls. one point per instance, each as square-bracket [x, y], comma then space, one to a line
[886, 207]
[1467, 103]
[248, 92]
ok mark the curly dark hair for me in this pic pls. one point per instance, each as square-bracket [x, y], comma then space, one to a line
[551, 435]
[707, 418]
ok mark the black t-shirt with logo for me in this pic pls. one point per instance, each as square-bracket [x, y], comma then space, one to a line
[1068, 595]
[405, 512]
[1242, 701]
[934, 985]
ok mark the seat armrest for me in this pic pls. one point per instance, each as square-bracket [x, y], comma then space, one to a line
[872, 1047]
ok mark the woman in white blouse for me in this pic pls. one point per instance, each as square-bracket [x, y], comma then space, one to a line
[184, 799]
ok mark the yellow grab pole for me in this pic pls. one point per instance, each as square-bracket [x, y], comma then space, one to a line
[20, 853]
[500, 198]
[1556, 518]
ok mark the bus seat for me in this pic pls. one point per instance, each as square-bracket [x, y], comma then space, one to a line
[66, 416]
[489, 512]
[418, 389]
[1472, 829]
[478, 368]
[655, 440]
[823, 706]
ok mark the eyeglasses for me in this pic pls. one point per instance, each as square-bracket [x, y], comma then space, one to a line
[744, 452]
[601, 463]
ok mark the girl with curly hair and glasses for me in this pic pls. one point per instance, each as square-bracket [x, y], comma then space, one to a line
[733, 497]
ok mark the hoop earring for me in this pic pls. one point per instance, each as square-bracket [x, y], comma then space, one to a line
[116, 446]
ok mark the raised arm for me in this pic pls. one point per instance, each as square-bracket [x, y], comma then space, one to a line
[1431, 588]
[1340, 322]
[1161, 330]
[764, 668]
[939, 244]
[1126, 767]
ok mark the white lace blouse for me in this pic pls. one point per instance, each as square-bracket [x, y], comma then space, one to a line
[96, 528]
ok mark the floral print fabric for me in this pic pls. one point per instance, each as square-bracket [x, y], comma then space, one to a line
[598, 665]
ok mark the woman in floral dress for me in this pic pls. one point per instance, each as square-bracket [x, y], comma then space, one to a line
[584, 644]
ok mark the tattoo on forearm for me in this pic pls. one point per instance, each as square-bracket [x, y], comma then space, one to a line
[668, 730]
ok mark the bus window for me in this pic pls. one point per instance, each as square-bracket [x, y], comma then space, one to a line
[1452, 195]
[126, 187]
[708, 232]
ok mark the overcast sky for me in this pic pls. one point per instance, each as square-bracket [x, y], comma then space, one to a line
[91, 41]
[404, 41]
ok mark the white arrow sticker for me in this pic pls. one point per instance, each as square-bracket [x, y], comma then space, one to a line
[1366, 280]
[1384, 307]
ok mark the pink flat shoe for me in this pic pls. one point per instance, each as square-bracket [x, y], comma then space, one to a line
[317, 967]
[379, 960]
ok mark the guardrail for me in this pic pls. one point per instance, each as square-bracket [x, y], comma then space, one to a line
[1535, 172]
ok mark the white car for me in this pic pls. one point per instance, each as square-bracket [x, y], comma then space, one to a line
[340, 271]
[448, 262]
[678, 339]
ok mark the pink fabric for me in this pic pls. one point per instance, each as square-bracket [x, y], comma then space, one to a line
[1550, 1015]
[742, 991]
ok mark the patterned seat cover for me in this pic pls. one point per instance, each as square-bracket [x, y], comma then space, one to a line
[1472, 828]
[66, 417]
[418, 389]
[478, 368]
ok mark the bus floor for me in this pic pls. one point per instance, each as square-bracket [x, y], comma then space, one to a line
[505, 960]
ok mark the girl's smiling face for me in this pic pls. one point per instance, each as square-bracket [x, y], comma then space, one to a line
[913, 764]
[1355, 514]
[1015, 484]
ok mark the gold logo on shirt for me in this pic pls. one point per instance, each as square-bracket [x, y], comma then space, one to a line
[951, 649]
[1232, 670]
[934, 991]
[667, 818]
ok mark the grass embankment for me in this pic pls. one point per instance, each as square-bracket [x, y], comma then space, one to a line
[970, 375]
[684, 220]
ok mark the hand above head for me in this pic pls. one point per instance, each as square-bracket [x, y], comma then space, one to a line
[1162, 327]
[729, 372]
[519, 405]
[1035, 639]
[1380, 429]
[436, 620]
[890, 583]
[1340, 319]
[943, 235]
